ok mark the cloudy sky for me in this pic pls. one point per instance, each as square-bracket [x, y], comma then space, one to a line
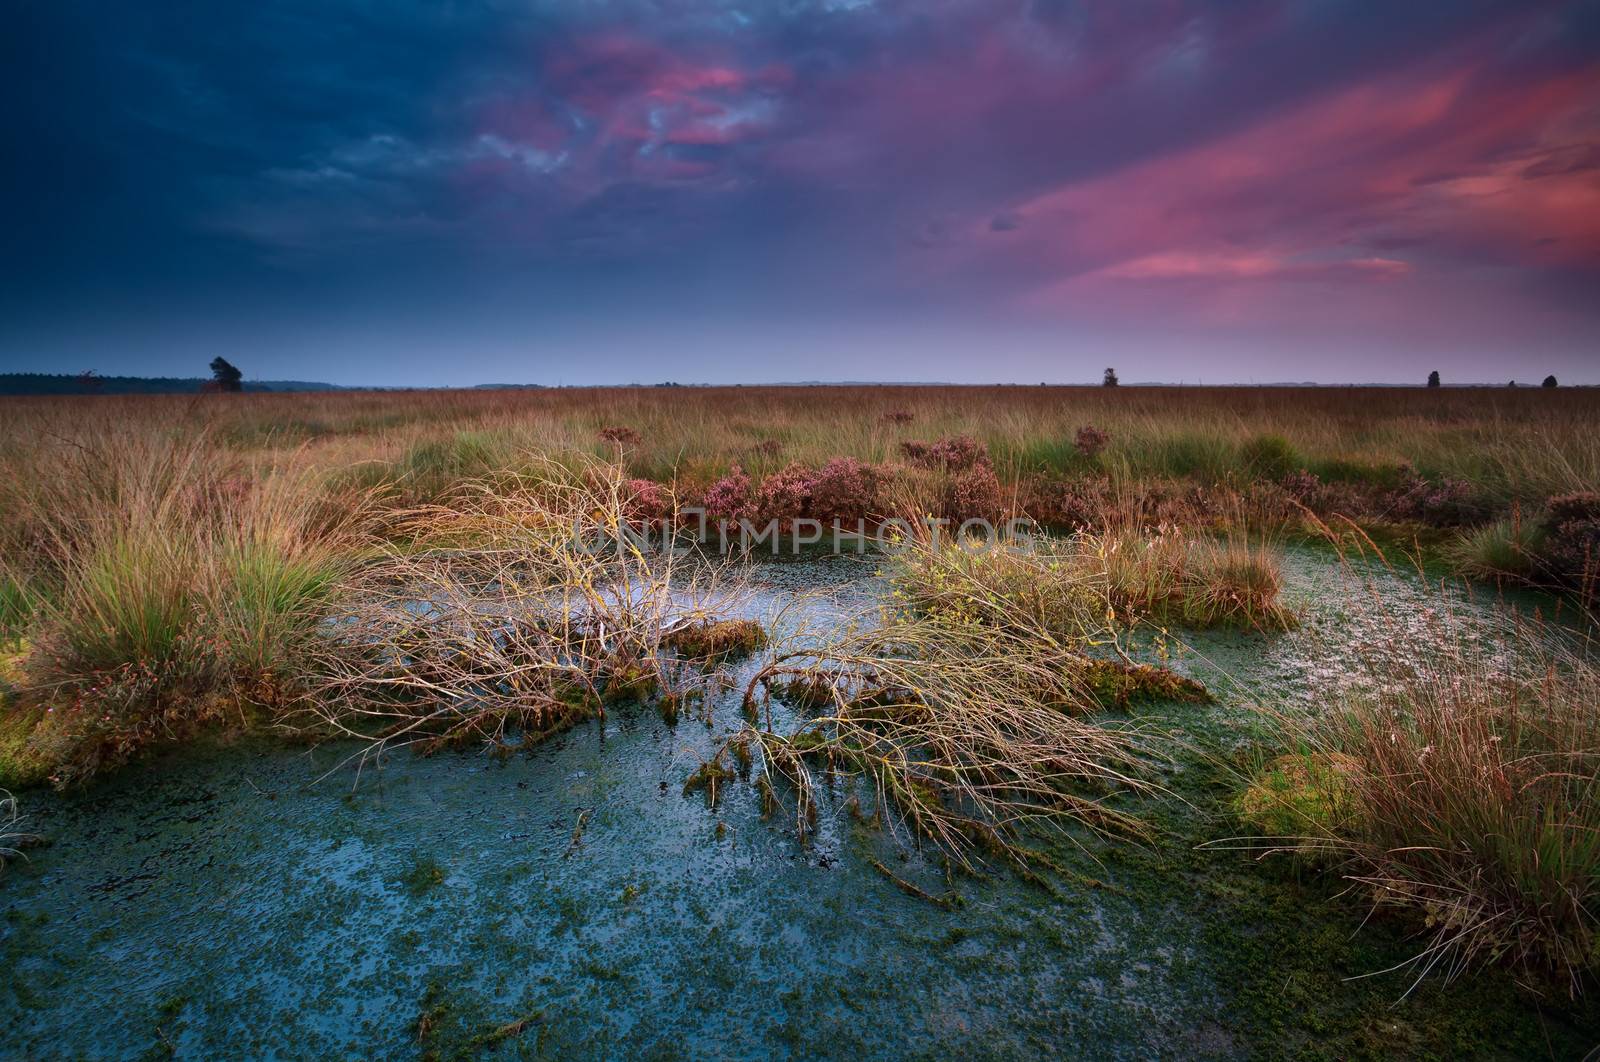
[467, 191]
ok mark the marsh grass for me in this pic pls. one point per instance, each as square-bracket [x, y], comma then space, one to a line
[965, 710]
[180, 590]
[1508, 548]
[1457, 783]
[1166, 576]
[526, 604]
[964, 737]
[12, 838]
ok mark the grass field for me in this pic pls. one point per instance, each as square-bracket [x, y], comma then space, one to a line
[1520, 445]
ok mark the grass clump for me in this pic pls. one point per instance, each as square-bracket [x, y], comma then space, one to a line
[716, 640]
[178, 590]
[1460, 786]
[962, 716]
[519, 609]
[1168, 577]
[1173, 578]
[12, 839]
[1507, 548]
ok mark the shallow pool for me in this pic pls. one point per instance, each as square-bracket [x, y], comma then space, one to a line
[241, 902]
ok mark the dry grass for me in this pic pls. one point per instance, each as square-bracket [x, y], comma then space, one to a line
[1527, 444]
[521, 607]
[1166, 576]
[12, 839]
[168, 588]
[964, 712]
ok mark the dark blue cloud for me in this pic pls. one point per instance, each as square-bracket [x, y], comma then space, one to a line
[314, 164]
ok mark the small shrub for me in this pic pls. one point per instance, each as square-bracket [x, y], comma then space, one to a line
[729, 497]
[973, 495]
[846, 490]
[645, 499]
[621, 436]
[785, 495]
[1447, 503]
[1077, 504]
[957, 453]
[1089, 441]
[1571, 550]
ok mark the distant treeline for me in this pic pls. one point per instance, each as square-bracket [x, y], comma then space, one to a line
[39, 383]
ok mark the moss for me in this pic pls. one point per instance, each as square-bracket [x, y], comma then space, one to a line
[1114, 684]
[1300, 794]
[673, 703]
[710, 777]
[424, 875]
[716, 640]
[632, 680]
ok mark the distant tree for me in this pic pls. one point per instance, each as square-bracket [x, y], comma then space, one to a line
[1433, 378]
[1513, 383]
[89, 382]
[1111, 378]
[225, 376]
[1549, 381]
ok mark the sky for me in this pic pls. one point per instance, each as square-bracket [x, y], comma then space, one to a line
[456, 192]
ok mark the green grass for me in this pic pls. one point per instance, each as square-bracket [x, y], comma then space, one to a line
[1505, 548]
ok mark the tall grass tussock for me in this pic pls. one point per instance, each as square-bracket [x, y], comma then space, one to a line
[1458, 785]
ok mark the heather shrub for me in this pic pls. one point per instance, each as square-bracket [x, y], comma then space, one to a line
[973, 495]
[1447, 503]
[1089, 441]
[645, 499]
[1571, 548]
[1303, 486]
[729, 497]
[1080, 504]
[957, 453]
[846, 490]
[785, 495]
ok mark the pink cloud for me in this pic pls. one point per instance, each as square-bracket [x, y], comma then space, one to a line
[1380, 182]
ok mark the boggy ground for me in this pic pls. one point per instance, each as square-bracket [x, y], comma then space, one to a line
[576, 901]
[170, 576]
